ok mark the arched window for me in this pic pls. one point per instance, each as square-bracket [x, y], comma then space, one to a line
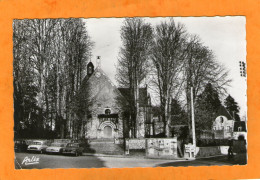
[107, 111]
[221, 119]
[89, 70]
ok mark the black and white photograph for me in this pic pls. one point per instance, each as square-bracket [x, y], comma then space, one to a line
[130, 92]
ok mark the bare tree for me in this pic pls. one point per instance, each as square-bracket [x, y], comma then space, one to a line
[133, 61]
[201, 68]
[167, 57]
[49, 60]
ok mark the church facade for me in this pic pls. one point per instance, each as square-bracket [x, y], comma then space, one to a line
[105, 118]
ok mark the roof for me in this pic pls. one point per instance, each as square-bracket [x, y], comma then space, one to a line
[143, 95]
[125, 92]
[238, 124]
[222, 111]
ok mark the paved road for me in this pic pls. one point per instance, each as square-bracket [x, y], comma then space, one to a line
[59, 161]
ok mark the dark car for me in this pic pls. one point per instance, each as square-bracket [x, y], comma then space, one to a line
[20, 146]
[55, 148]
[73, 149]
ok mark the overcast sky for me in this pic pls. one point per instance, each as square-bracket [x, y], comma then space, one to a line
[226, 36]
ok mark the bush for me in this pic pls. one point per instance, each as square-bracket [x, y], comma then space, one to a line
[212, 142]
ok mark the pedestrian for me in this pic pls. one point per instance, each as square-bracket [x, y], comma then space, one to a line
[230, 149]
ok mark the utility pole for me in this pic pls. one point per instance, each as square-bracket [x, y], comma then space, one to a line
[192, 119]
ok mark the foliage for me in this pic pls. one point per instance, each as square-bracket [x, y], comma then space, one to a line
[50, 57]
[206, 108]
[232, 107]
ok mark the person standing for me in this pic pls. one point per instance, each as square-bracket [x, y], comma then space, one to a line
[230, 149]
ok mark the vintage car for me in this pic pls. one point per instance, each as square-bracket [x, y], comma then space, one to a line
[38, 146]
[73, 149]
[20, 146]
[56, 148]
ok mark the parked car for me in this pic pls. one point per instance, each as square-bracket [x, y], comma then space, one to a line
[56, 148]
[38, 146]
[20, 146]
[73, 149]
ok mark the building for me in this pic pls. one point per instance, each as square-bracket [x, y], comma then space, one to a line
[240, 131]
[105, 117]
[225, 127]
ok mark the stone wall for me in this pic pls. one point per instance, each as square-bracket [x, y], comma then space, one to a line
[135, 143]
[161, 148]
[104, 96]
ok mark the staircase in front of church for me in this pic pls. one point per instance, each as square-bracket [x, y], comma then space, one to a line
[105, 146]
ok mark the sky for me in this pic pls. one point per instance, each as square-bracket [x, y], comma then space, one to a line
[225, 36]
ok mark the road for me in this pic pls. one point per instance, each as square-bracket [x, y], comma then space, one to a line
[59, 161]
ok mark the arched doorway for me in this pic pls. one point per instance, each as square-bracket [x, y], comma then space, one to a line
[107, 132]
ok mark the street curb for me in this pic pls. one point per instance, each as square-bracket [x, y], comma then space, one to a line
[137, 157]
[211, 156]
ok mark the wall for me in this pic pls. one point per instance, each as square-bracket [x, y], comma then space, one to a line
[223, 129]
[161, 148]
[135, 144]
[208, 151]
[104, 96]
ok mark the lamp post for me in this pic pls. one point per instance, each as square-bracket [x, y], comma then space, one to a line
[193, 120]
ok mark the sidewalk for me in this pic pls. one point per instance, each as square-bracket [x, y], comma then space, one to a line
[239, 159]
[132, 156]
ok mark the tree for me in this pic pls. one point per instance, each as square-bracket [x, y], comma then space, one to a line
[201, 68]
[232, 107]
[50, 56]
[178, 115]
[206, 108]
[132, 66]
[167, 58]
[179, 122]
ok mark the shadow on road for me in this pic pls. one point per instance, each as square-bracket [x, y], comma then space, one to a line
[239, 159]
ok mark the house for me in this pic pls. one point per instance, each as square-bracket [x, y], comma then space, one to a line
[225, 127]
[240, 131]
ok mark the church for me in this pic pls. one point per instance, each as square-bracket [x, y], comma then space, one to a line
[106, 117]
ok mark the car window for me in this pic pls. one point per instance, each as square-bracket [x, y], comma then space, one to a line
[73, 145]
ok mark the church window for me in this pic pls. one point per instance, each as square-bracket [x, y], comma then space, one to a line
[107, 111]
[90, 70]
[221, 119]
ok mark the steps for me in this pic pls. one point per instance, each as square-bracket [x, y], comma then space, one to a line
[101, 140]
[105, 146]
